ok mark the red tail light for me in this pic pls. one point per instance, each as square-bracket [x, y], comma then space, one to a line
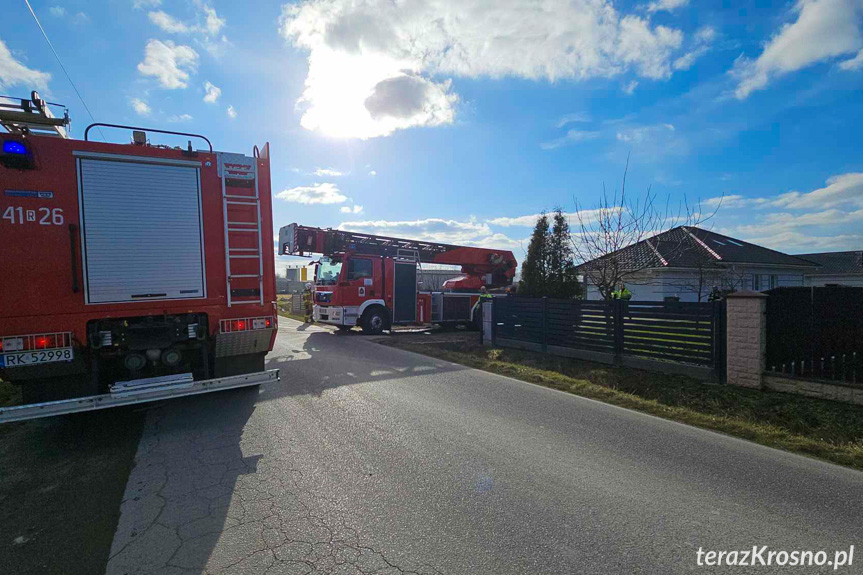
[44, 341]
[245, 324]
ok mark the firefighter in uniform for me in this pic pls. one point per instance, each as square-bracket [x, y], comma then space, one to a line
[308, 304]
[715, 295]
[621, 293]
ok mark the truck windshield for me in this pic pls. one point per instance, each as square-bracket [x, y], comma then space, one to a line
[328, 272]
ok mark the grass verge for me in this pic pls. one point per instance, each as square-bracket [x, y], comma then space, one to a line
[284, 303]
[292, 316]
[826, 430]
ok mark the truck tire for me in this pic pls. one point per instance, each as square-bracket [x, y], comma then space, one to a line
[239, 364]
[374, 321]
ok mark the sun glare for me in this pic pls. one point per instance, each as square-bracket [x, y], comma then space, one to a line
[336, 91]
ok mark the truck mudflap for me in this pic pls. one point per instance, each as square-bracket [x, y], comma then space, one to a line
[134, 392]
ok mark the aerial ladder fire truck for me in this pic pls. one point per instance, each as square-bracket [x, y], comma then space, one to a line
[371, 281]
[128, 272]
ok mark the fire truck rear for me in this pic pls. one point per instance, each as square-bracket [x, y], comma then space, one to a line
[130, 272]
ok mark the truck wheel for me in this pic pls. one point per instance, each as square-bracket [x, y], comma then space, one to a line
[374, 321]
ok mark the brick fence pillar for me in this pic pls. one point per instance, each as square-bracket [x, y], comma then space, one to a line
[746, 338]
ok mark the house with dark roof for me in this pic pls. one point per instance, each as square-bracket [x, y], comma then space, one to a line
[687, 262]
[835, 268]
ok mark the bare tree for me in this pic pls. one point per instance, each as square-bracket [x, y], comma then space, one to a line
[619, 220]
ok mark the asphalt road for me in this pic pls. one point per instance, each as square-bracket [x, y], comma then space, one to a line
[369, 459]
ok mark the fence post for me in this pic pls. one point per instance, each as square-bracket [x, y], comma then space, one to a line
[487, 329]
[718, 345]
[544, 323]
[617, 311]
[746, 339]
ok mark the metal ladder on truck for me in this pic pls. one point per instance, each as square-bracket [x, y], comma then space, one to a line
[239, 172]
[34, 116]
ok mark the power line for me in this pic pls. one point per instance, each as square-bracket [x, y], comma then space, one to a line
[62, 67]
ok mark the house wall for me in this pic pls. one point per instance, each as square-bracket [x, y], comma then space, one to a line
[855, 280]
[656, 285]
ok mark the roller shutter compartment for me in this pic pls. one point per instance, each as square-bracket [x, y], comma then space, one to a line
[142, 234]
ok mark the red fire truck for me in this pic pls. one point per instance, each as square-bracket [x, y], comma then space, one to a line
[130, 272]
[371, 281]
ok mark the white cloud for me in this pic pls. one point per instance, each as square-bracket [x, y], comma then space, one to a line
[571, 137]
[729, 201]
[828, 218]
[140, 106]
[326, 193]
[854, 63]
[643, 133]
[207, 23]
[180, 118]
[14, 73]
[168, 23]
[371, 62]
[577, 117]
[824, 29]
[327, 172]
[171, 65]
[231, 112]
[212, 23]
[630, 87]
[57, 11]
[529, 221]
[373, 173]
[666, 5]
[844, 190]
[79, 19]
[796, 242]
[355, 209]
[211, 92]
[141, 4]
[701, 44]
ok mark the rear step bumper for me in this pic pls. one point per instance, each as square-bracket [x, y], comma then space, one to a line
[133, 392]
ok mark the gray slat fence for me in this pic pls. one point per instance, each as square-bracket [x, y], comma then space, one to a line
[676, 337]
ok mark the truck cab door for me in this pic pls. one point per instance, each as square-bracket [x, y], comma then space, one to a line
[359, 281]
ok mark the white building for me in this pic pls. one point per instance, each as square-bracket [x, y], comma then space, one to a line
[688, 262]
[835, 268]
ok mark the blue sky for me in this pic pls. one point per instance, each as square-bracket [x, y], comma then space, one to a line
[460, 120]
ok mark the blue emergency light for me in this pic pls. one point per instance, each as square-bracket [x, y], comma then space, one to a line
[13, 147]
[16, 155]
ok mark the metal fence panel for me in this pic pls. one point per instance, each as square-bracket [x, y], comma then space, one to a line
[816, 332]
[620, 331]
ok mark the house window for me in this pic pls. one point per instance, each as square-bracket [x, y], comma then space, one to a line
[763, 282]
[359, 268]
